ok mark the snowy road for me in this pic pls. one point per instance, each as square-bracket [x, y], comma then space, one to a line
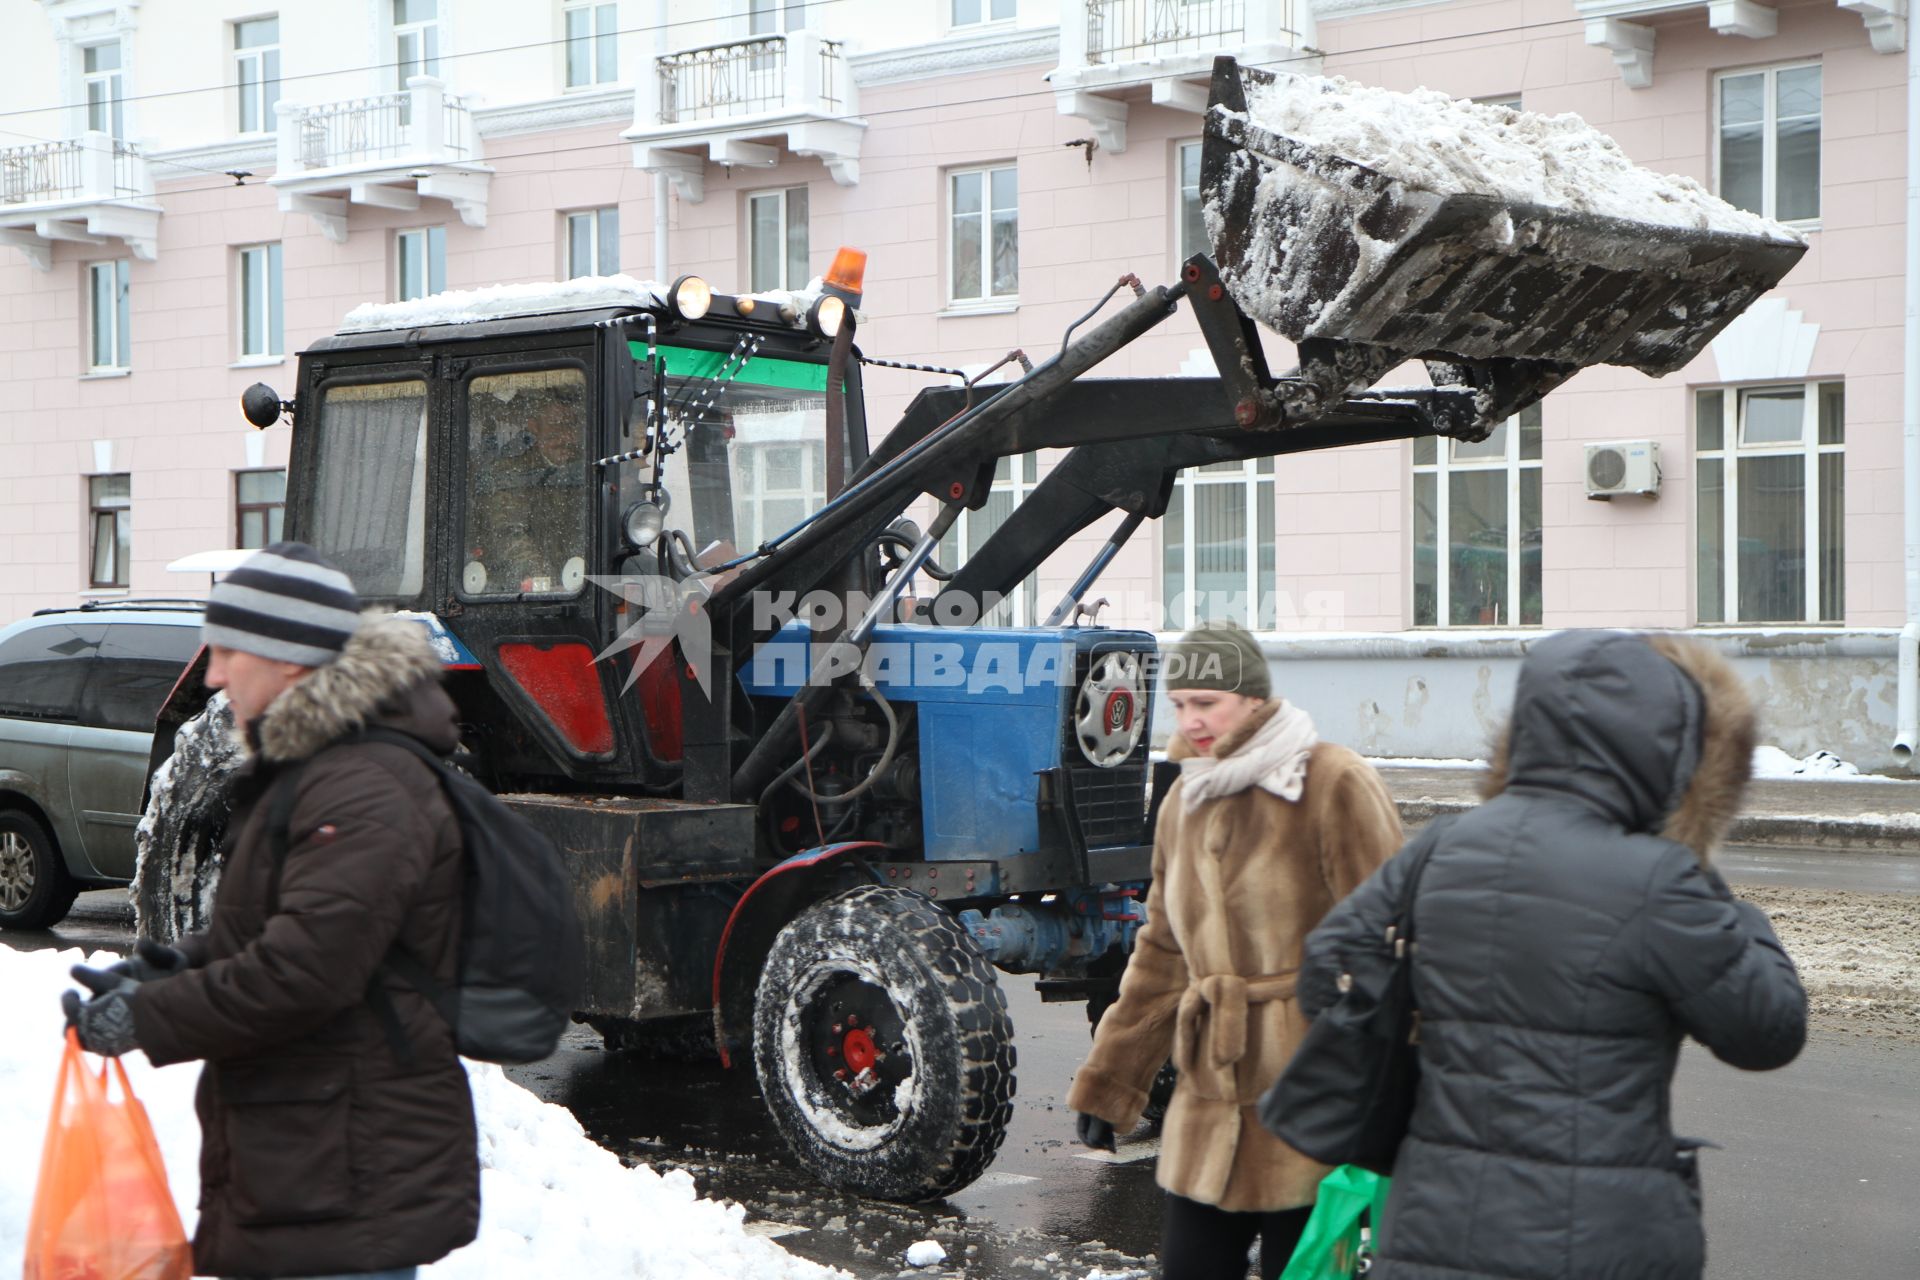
[1816, 1175]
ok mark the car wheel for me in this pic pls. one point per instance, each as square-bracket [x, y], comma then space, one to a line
[883, 1046]
[35, 889]
[178, 841]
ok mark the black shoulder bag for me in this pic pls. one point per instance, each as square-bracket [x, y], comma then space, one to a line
[1347, 1095]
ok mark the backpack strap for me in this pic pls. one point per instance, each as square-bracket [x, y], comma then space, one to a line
[282, 792]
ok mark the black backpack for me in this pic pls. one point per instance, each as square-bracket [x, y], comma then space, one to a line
[522, 961]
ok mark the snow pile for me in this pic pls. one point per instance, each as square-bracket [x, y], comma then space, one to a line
[1773, 763]
[1441, 144]
[551, 1202]
[925, 1253]
[464, 306]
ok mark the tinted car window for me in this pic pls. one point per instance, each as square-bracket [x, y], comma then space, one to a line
[135, 669]
[42, 669]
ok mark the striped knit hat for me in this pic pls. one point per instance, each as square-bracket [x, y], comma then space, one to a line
[283, 603]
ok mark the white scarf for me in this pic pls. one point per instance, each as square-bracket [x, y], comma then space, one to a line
[1274, 759]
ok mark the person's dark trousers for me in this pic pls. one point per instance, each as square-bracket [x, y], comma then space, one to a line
[1201, 1242]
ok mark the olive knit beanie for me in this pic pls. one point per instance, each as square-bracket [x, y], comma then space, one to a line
[1220, 656]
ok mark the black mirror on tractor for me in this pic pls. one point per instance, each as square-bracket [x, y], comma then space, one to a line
[261, 405]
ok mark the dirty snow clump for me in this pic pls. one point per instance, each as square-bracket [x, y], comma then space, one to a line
[925, 1253]
[465, 306]
[1441, 144]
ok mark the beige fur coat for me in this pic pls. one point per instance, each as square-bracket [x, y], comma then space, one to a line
[1238, 883]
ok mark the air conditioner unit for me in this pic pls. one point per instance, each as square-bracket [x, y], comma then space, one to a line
[1623, 467]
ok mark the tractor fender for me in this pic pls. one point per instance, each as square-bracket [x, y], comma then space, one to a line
[779, 895]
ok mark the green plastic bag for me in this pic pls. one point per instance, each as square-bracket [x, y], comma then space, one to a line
[1329, 1248]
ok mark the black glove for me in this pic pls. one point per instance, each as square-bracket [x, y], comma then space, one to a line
[1093, 1131]
[151, 960]
[105, 1023]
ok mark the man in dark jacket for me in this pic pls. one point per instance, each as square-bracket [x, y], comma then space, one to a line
[338, 1133]
[1570, 934]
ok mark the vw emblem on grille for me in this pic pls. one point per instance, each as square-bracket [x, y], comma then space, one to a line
[1106, 719]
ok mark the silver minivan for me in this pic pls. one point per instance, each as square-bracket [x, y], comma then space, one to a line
[79, 690]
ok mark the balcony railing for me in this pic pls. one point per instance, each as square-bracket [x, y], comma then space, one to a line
[421, 124]
[94, 166]
[748, 76]
[1138, 30]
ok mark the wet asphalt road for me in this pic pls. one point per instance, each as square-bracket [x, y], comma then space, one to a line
[1817, 1176]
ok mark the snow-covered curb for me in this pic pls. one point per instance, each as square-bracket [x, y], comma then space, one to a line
[552, 1203]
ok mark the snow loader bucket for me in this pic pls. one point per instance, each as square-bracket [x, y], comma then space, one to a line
[1316, 245]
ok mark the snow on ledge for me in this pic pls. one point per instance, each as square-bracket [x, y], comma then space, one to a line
[465, 306]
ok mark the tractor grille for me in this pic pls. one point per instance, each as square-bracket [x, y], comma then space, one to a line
[1111, 803]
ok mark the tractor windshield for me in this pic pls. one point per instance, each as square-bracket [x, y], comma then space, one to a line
[746, 446]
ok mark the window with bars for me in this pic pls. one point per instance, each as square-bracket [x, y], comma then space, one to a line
[1768, 153]
[110, 316]
[105, 87]
[1013, 480]
[256, 58]
[593, 243]
[1770, 514]
[259, 507]
[592, 52]
[262, 332]
[1476, 528]
[1192, 227]
[777, 244]
[1217, 549]
[111, 502]
[984, 234]
[420, 262]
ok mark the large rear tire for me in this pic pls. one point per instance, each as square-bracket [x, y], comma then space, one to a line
[178, 841]
[883, 1046]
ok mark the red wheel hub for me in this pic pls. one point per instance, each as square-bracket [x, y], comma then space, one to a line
[857, 1050]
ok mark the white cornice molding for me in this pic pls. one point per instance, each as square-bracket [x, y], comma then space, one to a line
[1324, 10]
[568, 111]
[213, 159]
[958, 55]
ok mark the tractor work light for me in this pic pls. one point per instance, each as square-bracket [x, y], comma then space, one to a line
[826, 315]
[690, 297]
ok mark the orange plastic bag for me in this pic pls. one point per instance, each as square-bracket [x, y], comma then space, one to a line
[102, 1210]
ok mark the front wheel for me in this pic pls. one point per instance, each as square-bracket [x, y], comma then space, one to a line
[883, 1046]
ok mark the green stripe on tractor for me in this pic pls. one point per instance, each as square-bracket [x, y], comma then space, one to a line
[761, 371]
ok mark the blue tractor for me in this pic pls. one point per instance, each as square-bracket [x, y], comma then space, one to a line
[814, 811]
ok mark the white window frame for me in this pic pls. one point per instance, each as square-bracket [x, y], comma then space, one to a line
[273, 515]
[1731, 450]
[428, 50]
[119, 512]
[986, 18]
[1445, 465]
[1021, 608]
[987, 299]
[773, 17]
[601, 42]
[264, 91]
[432, 242]
[598, 221]
[112, 84]
[812, 491]
[260, 301]
[119, 324]
[1256, 475]
[1181, 250]
[787, 271]
[1770, 139]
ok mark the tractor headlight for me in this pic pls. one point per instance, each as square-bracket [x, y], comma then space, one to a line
[690, 297]
[827, 315]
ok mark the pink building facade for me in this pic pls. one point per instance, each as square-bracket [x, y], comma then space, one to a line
[1002, 162]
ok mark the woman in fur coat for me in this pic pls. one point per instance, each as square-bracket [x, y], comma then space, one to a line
[1265, 830]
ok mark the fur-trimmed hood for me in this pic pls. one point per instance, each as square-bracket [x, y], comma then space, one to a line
[388, 673]
[1657, 729]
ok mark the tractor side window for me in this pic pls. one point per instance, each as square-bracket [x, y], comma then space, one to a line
[370, 490]
[527, 492]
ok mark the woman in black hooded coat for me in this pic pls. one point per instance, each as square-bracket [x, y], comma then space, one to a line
[1571, 932]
